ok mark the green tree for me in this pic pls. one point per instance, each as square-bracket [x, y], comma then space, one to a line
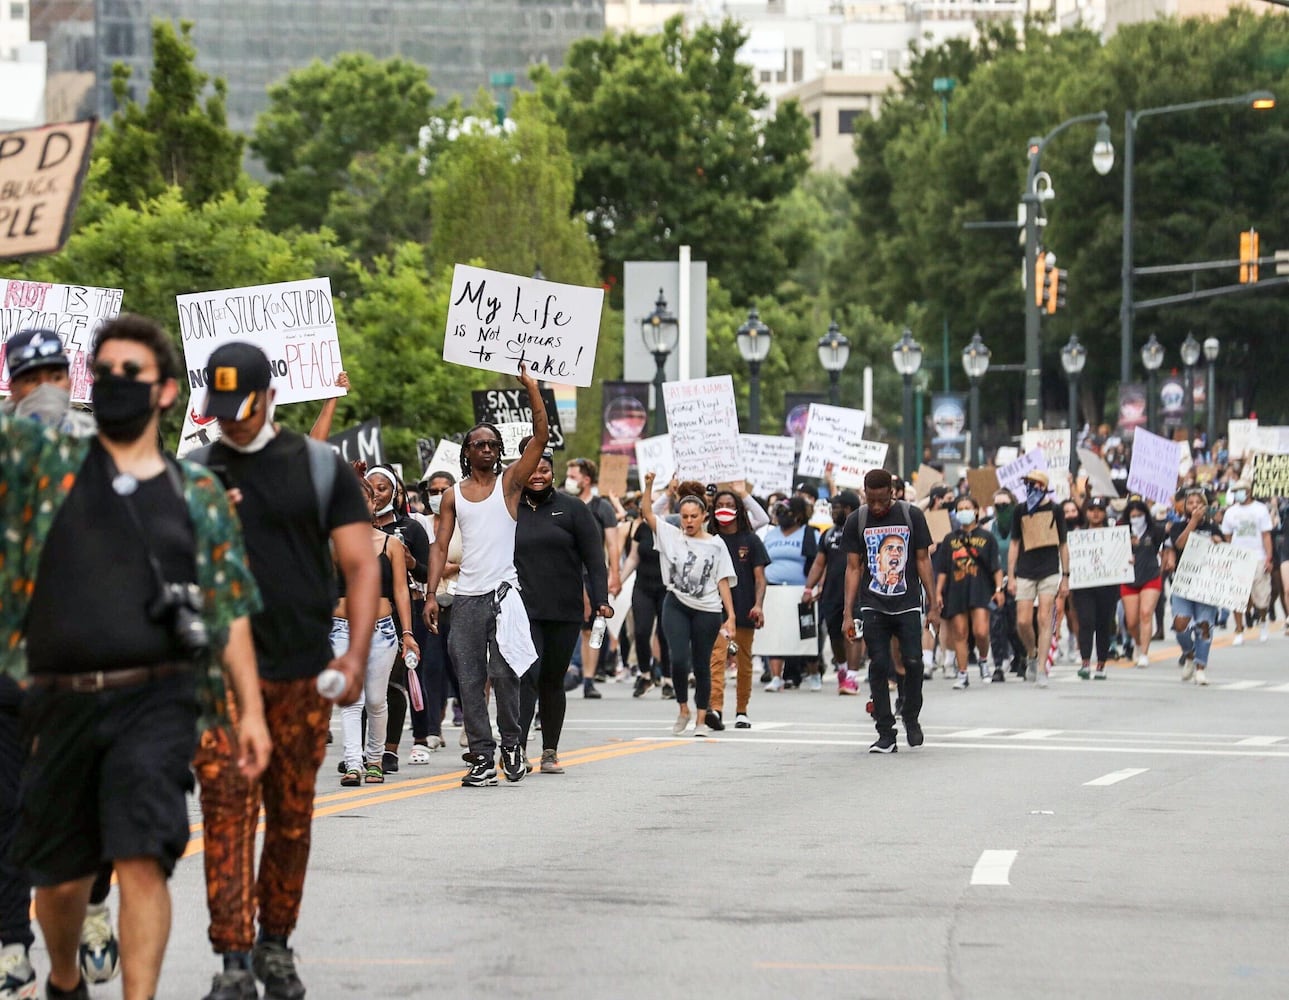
[665, 132]
[172, 139]
[322, 118]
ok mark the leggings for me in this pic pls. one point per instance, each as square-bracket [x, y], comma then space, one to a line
[691, 635]
[1095, 607]
[543, 684]
[646, 608]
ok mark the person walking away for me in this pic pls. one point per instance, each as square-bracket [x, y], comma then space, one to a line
[1142, 595]
[826, 585]
[1193, 621]
[1038, 570]
[110, 727]
[969, 578]
[888, 572]
[1096, 606]
[557, 546]
[298, 502]
[1247, 522]
[490, 640]
[699, 573]
[729, 522]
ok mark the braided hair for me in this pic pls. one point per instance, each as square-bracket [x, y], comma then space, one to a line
[465, 448]
[713, 526]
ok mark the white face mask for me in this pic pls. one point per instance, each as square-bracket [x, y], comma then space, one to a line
[434, 502]
[965, 518]
[571, 485]
[1138, 522]
[258, 443]
[47, 403]
[1241, 496]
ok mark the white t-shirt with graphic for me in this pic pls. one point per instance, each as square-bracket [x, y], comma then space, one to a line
[692, 568]
[1245, 523]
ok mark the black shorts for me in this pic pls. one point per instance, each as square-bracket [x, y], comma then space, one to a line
[106, 777]
[832, 621]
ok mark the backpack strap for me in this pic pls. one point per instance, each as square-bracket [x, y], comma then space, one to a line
[322, 471]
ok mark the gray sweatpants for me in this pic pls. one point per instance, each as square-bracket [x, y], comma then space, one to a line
[473, 645]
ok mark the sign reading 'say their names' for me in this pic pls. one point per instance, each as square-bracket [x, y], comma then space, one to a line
[497, 321]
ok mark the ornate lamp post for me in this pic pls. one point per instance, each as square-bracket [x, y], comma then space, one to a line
[907, 355]
[754, 345]
[660, 332]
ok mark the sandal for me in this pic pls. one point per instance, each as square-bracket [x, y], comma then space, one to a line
[420, 754]
[374, 775]
[350, 779]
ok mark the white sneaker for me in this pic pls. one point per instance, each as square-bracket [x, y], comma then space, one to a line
[814, 683]
[99, 953]
[1238, 640]
[776, 684]
[961, 683]
[1263, 633]
[1042, 677]
[742, 722]
[1188, 670]
[1143, 661]
[1200, 677]
[19, 978]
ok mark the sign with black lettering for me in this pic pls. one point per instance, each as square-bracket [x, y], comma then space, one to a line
[292, 322]
[74, 312]
[1271, 476]
[41, 170]
[361, 443]
[510, 406]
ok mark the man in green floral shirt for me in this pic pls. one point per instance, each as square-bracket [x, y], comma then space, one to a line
[124, 601]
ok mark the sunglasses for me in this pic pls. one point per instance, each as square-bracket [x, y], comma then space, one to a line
[44, 347]
[129, 369]
[437, 492]
[489, 445]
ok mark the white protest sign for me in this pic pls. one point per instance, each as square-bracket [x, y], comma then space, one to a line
[1153, 472]
[1217, 574]
[447, 458]
[1055, 445]
[859, 458]
[1006, 455]
[496, 321]
[1011, 476]
[1238, 433]
[1185, 460]
[704, 429]
[654, 455]
[1099, 557]
[74, 312]
[198, 430]
[768, 461]
[1269, 440]
[292, 322]
[511, 434]
[830, 432]
[1100, 482]
[781, 635]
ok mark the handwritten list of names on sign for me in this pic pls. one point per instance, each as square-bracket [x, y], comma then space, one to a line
[703, 422]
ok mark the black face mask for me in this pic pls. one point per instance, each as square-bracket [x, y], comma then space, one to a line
[538, 496]
[122, 407]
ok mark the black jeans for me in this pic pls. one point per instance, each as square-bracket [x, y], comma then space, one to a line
[543, 684]
[879, 630]
[646, 608]
[1003, 634]
[691, 635]
[15, 890]
[1095, 607]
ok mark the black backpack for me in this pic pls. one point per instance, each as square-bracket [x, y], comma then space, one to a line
[322, 472]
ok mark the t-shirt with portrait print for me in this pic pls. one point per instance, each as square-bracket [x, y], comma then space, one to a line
[692, 568]
[888, 557]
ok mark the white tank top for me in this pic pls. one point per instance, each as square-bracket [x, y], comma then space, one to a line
[487, 543]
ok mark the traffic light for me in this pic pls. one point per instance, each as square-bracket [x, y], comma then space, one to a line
[1041, 267]
[1249, 257]
[1057, 285]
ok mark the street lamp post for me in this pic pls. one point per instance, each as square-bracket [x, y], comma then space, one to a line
[975, 362]
[1073, 357]
[754, 345]
[1102, 161]
[834, 352]
[1190, 358]
[660, 332]
[1152, 356]
[1211, 348]
[1258, 100]
[907, 355]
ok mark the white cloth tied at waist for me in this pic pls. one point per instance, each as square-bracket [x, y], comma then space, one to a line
[513, 636]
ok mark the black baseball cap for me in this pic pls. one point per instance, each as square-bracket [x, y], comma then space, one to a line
[237, 375]
[28, 350]
[808, 488]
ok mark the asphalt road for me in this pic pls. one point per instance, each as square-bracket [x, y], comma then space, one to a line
[1116, 839]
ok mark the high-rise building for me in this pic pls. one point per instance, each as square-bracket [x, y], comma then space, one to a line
[22, 68]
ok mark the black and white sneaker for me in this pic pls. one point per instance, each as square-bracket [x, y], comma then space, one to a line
[742, 722]
[714, 721]
[884, 744]
[274, 966]
[513, 763]
[483, 771]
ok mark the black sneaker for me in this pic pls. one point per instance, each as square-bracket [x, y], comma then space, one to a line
[714, 721]
[765, 676]
[884, 744]
[389, 762]
[483, 771]
[82, 991]
[233, 984]
[667, 690]
[274, 966]
[512, 763]
[588, 691]
[999, 676]
[913, 733]
[643, 684]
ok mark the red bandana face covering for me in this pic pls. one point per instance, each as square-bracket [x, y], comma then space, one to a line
[725, 516]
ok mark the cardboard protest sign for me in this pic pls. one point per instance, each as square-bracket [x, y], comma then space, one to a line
[74, 312]
[830, 432]
[360, 444]
[1153, 472]
[654, 455]
[447, 458]
[1011, 476]
[41, 170]
[926, 479]
[939, 524]
[983, 484]
[498, 321]
[1055, 445]
[1271, 476]
[1100, 557]
[704, 429]
[1239, 433]
[768, 462]
[781, 635]
[1100, 482]
[613, 475]
[510, 406]
[292, 322]
[1218, 574]
[1038, 531]
[860, 456]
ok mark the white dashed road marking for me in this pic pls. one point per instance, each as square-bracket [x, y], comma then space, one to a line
[1260, 741]
[993, 868]
[1114, 777]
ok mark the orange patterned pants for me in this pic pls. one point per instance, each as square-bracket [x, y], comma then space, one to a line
[298, 719]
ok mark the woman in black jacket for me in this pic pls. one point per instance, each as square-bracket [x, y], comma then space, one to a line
[562, 577]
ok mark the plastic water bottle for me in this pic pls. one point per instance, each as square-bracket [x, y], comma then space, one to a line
[331, 683]
[597, 632]
[410, 660]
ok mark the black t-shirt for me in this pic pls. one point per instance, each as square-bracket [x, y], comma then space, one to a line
[94, 585]
[1045, 561]
[888, 557]
[1145, 553]
[746, 553]
[968, 559]
[1206, 527]
[649, 565]
[287, 550]
[833, 597]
